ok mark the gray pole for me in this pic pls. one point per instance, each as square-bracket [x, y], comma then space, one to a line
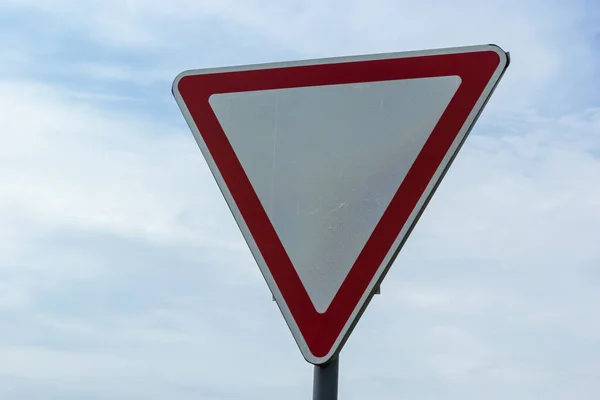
[325, 380]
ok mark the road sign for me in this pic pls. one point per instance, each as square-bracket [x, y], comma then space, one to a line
[327, 165]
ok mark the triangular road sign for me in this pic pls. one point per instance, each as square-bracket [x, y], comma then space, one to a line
[327, 164]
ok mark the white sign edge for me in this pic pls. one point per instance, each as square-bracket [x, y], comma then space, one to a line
[412, 219]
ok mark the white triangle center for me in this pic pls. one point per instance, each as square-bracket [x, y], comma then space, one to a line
[325, 162]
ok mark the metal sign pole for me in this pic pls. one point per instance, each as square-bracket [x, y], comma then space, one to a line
[325, 380]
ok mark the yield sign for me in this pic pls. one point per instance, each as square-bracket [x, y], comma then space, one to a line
[327, 164]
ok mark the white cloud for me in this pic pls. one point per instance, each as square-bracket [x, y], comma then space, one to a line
[543, 37]
[516, 188]
[73, 164]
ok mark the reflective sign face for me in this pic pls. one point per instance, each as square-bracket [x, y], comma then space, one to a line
[327, 164]
[326, 161]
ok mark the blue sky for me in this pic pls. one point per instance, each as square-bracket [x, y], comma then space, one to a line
[123, 275]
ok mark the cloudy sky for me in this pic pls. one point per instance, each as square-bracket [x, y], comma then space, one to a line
[124, 276]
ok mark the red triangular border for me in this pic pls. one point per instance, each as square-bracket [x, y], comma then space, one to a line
[320, 331]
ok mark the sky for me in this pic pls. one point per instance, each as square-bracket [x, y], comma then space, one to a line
[124, 276]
